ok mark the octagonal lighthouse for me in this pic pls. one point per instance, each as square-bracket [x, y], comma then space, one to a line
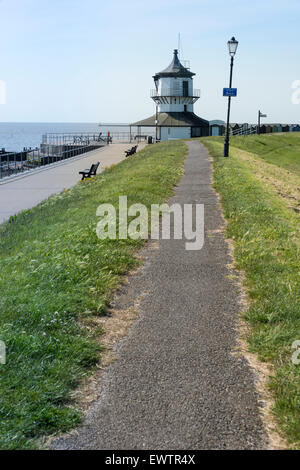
[174, 97]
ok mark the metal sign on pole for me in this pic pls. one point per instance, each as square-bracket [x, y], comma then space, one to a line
[229, 91]
[260, 115]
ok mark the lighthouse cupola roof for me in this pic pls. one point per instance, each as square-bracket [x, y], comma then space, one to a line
[175, 69]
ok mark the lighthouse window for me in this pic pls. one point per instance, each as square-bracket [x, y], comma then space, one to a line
[185, 108]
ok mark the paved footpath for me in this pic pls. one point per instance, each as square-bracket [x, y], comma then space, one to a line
[175, 383]
[29, 189]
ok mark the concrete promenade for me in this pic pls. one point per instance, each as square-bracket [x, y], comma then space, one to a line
[29, 189]
[176, 382]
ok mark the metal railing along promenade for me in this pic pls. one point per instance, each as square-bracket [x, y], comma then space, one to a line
[15, 163]
[90, 137]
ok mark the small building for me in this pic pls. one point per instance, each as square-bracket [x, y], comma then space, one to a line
[252, 129]
[216, 128]
[285, 128]
[296, 128]
[235, 128]
[266, 129]
[276, 128]
[269, 128]
[174, 97]
[262, 129]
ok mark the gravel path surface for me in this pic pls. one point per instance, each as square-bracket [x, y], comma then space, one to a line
[175, 383]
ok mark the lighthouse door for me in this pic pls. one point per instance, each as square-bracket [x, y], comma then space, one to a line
[185, 88]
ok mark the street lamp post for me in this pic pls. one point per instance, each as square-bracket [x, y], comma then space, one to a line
[156, 123]
[232, 46]
[156, 113]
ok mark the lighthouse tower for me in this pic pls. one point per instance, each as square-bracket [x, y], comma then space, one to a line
[174, 96]
[174, 88]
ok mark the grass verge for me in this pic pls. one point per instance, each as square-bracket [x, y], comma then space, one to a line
[266, 237]
[281, 149]
[54, 274]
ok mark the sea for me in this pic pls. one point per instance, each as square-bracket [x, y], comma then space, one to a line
[14, 136]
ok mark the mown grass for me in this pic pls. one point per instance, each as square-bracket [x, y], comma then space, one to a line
[54, 271]
[282, 150]
[266, 235]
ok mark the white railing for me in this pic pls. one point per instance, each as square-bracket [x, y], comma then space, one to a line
[170, 92]
[244, 131]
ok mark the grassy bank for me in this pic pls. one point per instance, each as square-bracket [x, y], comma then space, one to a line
[282, 150]
[54, 271]
[266, 232]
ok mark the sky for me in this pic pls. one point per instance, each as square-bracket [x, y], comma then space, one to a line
[93, 60]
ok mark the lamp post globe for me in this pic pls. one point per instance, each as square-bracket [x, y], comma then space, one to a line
[232, 46]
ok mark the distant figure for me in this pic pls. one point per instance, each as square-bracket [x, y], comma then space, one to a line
[108, 138]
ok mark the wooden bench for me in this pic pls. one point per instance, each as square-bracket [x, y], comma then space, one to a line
[90, 172]
[131, 151]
